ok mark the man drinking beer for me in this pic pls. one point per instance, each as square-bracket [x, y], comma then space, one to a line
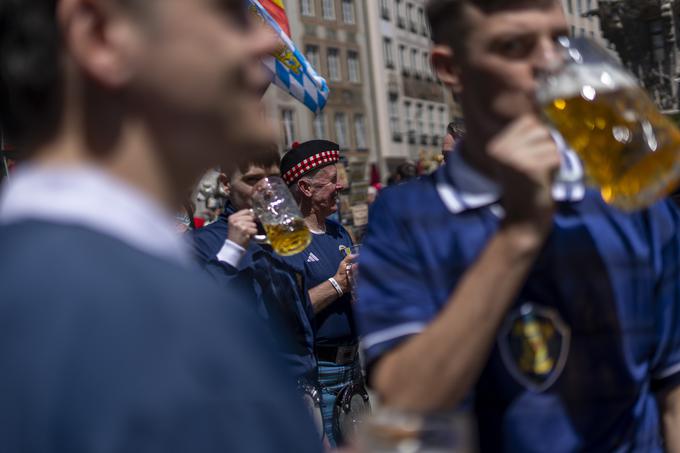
[502, 279]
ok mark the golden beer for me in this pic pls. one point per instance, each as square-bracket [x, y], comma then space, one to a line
[280, 216]
[289, 238]
[630, 150]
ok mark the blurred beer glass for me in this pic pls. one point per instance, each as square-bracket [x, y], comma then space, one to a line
[388, 430]
[275, 207]
[629, 149]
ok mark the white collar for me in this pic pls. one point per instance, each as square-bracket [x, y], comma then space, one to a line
[91, 198]
[462, 188]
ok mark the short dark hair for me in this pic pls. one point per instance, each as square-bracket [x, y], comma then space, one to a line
[30, 73]
[456, 128]
[265, 159]
[406, 171]
[31, 76]
[447, 18]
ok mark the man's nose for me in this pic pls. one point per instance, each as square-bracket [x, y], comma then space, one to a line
[548, 56]
[263, 39]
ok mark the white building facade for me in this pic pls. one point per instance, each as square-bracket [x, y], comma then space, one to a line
[411, 107]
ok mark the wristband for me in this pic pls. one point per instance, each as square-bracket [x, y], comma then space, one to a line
[336, 286]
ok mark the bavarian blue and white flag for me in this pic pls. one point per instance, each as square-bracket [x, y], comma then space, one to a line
[290, 70]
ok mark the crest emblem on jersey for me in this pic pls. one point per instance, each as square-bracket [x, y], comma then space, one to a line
[534, 345]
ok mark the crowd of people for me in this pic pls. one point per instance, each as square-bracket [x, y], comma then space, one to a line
[500, 285]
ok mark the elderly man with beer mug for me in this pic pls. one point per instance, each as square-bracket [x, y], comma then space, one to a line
[547, 295]
[310, 171]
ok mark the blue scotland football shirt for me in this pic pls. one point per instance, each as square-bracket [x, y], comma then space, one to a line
[592, 335]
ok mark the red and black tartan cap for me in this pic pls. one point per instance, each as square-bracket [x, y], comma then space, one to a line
[308, 156]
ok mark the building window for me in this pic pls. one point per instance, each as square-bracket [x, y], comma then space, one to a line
[657, 40]
[414, 62]
[312, 54]
[401, 14]
[430, 118]
[426, 65]
[348, 11]
[443, 121]
[403, 61]
[408, 120]
[341, 130]
[334, 65]
[307, 7]
[387, 53]
[394, 117]
[288, 122]
[422, 22]
[570, 7]
[410, 13]
[320, 126]
[419, 118]
[360, 131]
[385, 9]
[328, 9]
[353, 71]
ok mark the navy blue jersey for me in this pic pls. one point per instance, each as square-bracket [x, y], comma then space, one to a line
[335, 324]
[278, 290]
[107, 348]
[593, 334]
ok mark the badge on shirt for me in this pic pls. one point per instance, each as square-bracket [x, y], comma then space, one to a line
[534, 345]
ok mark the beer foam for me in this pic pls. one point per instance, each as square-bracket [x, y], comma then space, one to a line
[585, 80]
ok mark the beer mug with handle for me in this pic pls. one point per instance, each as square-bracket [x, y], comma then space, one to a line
[630, 150]
[275, 207]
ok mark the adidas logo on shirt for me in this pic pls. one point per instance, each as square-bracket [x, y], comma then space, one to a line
[312, 258]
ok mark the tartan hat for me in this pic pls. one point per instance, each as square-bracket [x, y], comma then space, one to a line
[308, 156]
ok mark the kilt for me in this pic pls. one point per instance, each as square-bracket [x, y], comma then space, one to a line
[333, 378]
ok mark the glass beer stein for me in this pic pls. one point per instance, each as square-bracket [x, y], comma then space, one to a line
[630, 150]
[274, 206]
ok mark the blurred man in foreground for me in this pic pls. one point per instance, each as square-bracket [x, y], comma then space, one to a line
[503, 279]
[111, 340]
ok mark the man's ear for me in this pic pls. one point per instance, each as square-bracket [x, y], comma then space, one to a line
[305, 187]
[100, 38]
[223, 180]
[446, 67]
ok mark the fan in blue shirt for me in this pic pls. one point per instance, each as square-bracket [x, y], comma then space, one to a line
[502, 281]
[226, 250]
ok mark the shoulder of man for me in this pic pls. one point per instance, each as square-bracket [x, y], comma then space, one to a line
[408, 199]
[128, 322]
[75, 262]
[207, 241]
